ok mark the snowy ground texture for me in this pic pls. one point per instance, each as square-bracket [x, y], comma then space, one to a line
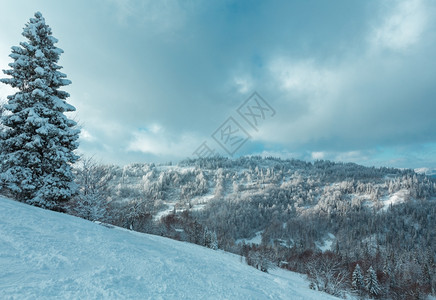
[44, 254]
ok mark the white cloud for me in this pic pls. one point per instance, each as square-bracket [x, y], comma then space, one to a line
[358, 156]
[351, 156]
[244, 84]
[402, 28]
[155, 128]
[350, 97]
[334, 87]
[282, 154]
[312, 98]
[86, 135]
[156, 141]
[318, 155]
[302, 76]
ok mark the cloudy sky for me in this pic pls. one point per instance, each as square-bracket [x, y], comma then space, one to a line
[155, 80]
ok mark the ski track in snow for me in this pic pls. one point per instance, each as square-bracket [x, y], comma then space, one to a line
[44, 254]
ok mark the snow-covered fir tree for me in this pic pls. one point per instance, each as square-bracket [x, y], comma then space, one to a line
[214, 241]
[210, 239]
[39, 140]
[357, 280]
[372, 284]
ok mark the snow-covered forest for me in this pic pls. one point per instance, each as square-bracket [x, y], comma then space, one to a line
[320, 218]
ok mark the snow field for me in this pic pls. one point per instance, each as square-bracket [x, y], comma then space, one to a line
[44, 254]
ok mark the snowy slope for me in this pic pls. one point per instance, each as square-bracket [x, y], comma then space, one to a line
[44, 254]
[426, 171]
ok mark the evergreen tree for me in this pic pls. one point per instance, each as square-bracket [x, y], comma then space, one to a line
[210, 239]
[357, 280]
[425, 279]
[372, 284]
[213, 241]
[207, 238]
[39, 140]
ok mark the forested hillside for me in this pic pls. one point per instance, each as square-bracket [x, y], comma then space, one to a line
[320, 218]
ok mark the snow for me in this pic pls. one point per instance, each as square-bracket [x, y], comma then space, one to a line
[37, 110]
[165, 212]
[39, 71]
[38, 92]
[426, 171]
[44, 254]
[38, 53]
[396, 198]
[257, 239]
[327, 243]
[199, 203]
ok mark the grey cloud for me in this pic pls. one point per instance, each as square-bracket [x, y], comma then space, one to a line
[344, 76]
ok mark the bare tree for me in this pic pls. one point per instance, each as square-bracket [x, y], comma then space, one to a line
[327, 275]
[92, 201]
